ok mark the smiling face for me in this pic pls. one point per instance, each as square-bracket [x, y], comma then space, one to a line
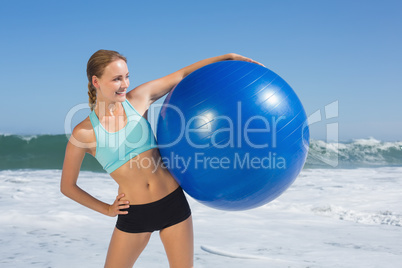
[112, 85]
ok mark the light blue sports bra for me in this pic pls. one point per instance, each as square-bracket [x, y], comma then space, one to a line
[113, 149]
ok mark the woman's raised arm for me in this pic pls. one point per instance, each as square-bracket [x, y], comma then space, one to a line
[155, 89]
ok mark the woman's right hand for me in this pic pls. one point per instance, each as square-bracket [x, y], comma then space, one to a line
[114, 209]
[234, 56]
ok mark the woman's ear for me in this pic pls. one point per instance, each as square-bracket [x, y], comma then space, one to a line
[95, 82]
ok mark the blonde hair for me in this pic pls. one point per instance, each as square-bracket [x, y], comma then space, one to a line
[96, 66]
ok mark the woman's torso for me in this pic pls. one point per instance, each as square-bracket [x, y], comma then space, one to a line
[144, 178]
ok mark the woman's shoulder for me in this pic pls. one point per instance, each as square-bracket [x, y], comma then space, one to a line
[140, 103]
[84, 134]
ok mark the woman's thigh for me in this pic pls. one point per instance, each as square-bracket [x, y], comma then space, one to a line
[125, 248]
[179, 244]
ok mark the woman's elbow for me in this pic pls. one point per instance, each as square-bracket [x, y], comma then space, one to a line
[63, 189]
[66, 189]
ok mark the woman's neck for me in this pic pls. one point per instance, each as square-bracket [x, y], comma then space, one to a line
[104, 108]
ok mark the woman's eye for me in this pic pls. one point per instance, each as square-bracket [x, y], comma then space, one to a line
[119, 78]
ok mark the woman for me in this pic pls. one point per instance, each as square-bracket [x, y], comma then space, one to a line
[149, 199]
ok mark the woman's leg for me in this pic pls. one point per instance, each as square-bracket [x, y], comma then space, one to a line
[125, 248]
[179, 244]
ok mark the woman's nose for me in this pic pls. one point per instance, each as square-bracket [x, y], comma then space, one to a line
[125, 83]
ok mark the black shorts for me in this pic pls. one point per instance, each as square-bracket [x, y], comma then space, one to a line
[157, 215]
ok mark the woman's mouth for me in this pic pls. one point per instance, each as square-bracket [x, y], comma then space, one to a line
[121, 93]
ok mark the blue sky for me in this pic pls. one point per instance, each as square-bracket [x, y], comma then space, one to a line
[345, 51]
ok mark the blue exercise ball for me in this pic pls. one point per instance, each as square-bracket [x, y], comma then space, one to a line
[233, 134]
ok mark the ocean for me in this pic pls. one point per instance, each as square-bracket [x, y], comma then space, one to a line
[343, 210]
